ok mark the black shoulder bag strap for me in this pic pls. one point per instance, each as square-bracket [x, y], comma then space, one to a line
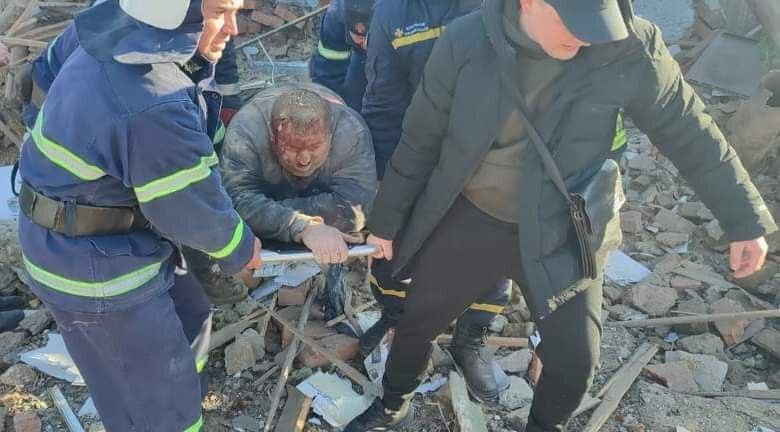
[577, 207]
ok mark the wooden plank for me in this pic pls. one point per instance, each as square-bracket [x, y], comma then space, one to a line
[626, 377]
[15, 41]
[348, 370]
[295, 411]
[497, 341]
[25, 16]
[468, 414]
[292, 352]
[45, 30]
[661, 322]
[229, 332]
[71, 421]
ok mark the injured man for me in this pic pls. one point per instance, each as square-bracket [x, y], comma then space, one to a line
[299, 166]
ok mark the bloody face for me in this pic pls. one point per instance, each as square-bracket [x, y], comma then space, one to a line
[302, 153]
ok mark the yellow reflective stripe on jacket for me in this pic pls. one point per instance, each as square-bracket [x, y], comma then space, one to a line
[414, 38]
[200, 364]
[61, 156]
[176, 181]
[219, 135]
[484, 307]
[234, 242]
[387, 292]
[621, 138]
[332, 54]
[110, 288]
[196, 427]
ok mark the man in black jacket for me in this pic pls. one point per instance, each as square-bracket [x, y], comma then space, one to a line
[466, 189]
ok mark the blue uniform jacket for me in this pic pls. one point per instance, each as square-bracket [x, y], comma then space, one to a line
[400, 39]
[338, 63]
[124, 125]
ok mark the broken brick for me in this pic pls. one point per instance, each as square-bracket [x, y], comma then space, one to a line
[769, 340]
[27, 421]
[288, 15]
[342, 346]
[631, 222]
[266, 19]
[293, 296]
[652, 299]
[731, 331]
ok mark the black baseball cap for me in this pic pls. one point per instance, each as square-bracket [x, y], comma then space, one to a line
[592, 21]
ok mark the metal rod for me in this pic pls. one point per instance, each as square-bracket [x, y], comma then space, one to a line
[271, 257]
[656, 322]
[283, 27]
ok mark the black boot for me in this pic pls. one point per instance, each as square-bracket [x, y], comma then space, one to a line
[375, 333]
[10, 319]
[484, 377]
[378, 418]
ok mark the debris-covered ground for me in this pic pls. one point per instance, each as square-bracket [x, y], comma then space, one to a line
[694, 377]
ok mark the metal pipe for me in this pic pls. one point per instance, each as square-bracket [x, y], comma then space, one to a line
[271, 257]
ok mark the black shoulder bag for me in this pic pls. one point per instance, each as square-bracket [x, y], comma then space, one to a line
[594, 207]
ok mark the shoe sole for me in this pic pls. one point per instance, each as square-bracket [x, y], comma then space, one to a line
[405, 422]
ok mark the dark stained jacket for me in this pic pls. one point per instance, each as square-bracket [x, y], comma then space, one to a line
[461, 104]
[277, 206]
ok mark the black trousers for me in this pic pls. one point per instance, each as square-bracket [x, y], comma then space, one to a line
[462, 260]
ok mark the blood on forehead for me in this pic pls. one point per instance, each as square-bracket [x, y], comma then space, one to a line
[312, 139]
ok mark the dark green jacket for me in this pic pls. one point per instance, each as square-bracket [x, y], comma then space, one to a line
[461, 104]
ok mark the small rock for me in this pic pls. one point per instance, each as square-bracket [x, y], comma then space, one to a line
[714, 231]
[246, 306]
[239, 355]
[731, 331]
[18, 375]
[9, 341]
[36, 322]
[695, 210]
[653, 299]
[643, 180]
[498, 323]
[27, 421]
[642, 163]
[667, 263]
[522, 330]
[517, 362]
[774, 380]
[247, 423]
[257, 342]
[344, 347]
[769, 340]
[631, 222]
[666, 199]
[518, 394]
[678, 376]
[96, 427]
[753, 283]
[672, 239]
[669, 221]
[682, 283]
[706, 343]
[708, 372]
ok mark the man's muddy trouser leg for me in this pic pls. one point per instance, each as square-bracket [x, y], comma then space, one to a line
[140, 362]
[467, 239]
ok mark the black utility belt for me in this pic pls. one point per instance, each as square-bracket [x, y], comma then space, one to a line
[75, 220]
